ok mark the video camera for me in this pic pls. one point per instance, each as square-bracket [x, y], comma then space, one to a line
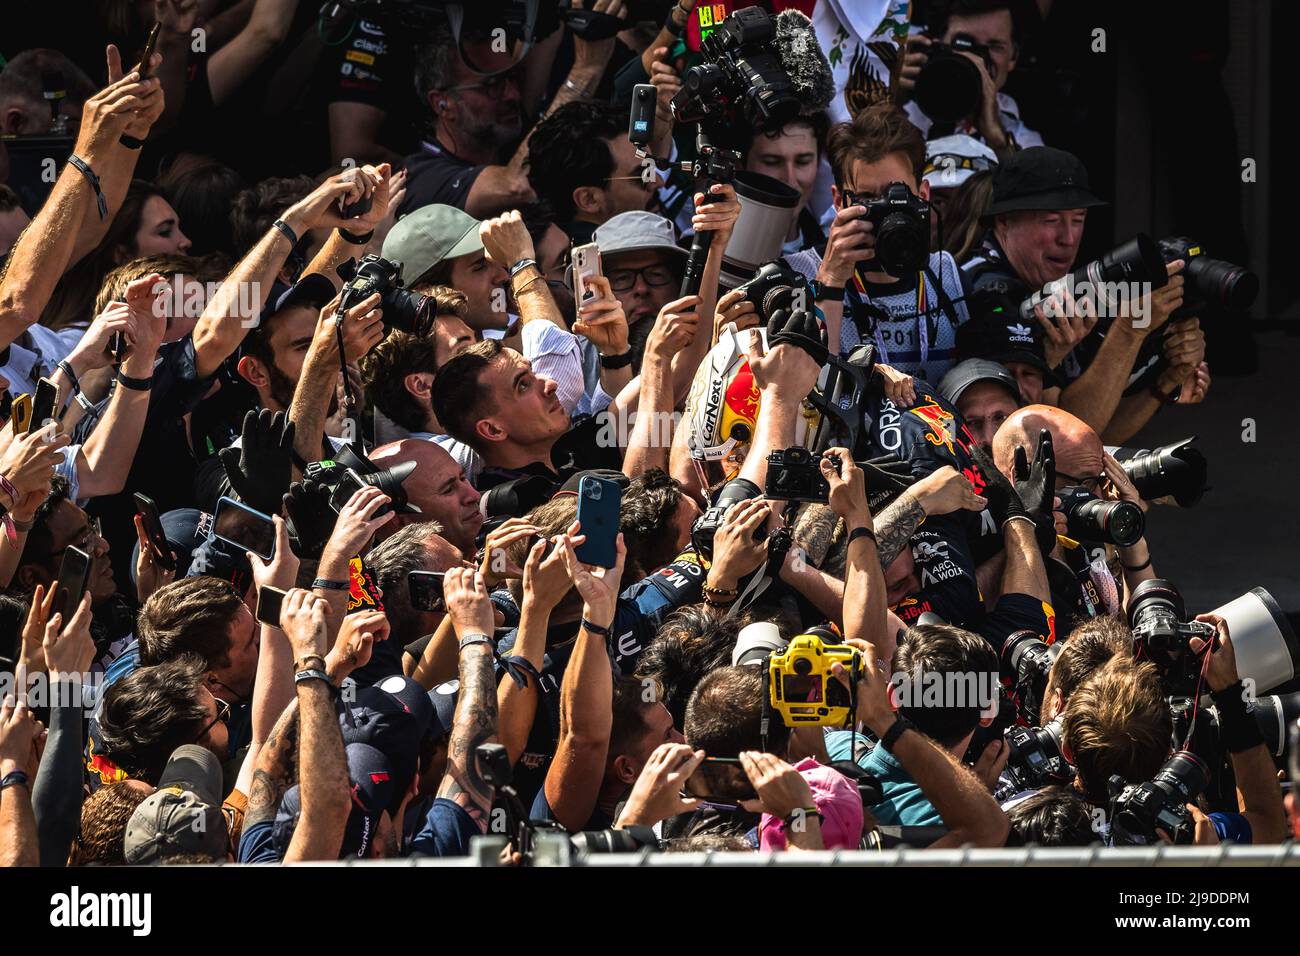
[348, 472]
[801, 687]
[900, 220]
[1136, 810]
[404, 310]
[1089, 518]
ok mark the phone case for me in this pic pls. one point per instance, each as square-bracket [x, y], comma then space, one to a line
[598, 512]
[21, 415]
[586, 262]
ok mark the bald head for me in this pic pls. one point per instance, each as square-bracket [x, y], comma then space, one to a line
[1078, 449]
[437, 487]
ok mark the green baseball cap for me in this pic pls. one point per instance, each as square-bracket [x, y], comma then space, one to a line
[422, 239]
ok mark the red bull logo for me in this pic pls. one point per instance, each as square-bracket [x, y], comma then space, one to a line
[940, 432]
[742, 396]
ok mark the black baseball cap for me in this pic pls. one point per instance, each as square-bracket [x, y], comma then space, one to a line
[1005, 337]
[965, 374]
[1040, 177]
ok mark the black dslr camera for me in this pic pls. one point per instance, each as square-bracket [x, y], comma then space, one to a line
[776, 286]
[795, 475]
[1027, 659]
[949, 86]
[901, 222]
[1137, 810]
[1160, 632]
[348, 472]
[706, 525]
[1089, 518]
[404, 310]
[1208, 282]
[742, 73]
[1034, 759]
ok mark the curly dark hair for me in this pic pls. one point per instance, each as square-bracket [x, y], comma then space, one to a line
[691, 642]
[149, 713]
[645, 515]
[568, 150]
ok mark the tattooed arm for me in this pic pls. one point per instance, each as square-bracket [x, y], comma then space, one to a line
[896, 525]
[271, 771]
[475, 722]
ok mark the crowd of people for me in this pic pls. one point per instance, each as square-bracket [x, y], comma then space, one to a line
[307, 560]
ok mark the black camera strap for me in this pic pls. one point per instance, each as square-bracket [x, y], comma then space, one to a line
[778, 546]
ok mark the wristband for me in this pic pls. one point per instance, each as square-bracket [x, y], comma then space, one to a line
[8, 488]
[616, 361]
[899, 727]
[14, 778]
[596, 629]
[130, 142]
[81, 166]
[1140, 567]
[569, 84]
[288, 233]
[803, 813]
[478, 638]
[66, 367]
[353, 238]
[313, 673]
[23, 526]
[329, 585]
[135, 384]
[672, 26]
[862, 532]
[1170, 397]
[827, 293]
[521, 265]
[1239, 731]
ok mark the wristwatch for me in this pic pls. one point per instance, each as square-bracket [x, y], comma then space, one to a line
[826, 293]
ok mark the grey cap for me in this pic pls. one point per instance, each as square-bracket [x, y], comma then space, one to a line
[424, 238]
[184, 814]
[633, 232]
[965, 374]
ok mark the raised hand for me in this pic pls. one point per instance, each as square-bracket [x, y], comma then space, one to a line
[261, 469]
[69, 648]
[496, 565]
[357, 523]
[468, 605]
[282, 570]
[356, 641]
[657, 793]
[601, 319]
[598, 586]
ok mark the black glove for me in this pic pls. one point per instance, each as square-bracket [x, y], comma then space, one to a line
[1036, 486]
[797, 328]
[308, 507]
[260, 470]
[1004, 501]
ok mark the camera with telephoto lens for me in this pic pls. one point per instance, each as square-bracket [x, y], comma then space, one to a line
[1175, 471]
[1136, 810]
[347, 472]
[1208, 282]
[1160, 632]
[777, 287]
[900, 221]
[741, 77]
[1034, 759]
[1089, 518]
[1027, 659]
[403, 309]
[706, 525]
[1107, 281]
[949, 86]
[801, 687]
[795, 475]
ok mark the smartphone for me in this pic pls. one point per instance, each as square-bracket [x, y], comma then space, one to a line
[348, 486]
[245, 528]
[147, 55]
[269, 602]
[586, 263]
[43, 405]
[599, 500]
[426, 590]
[6, 406]
[162, 549]
[73, 571]
[21, 414]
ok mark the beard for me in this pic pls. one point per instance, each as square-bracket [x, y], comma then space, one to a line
[638, 333]
[282, 388]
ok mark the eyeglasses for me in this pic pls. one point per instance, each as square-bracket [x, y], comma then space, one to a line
[492, 86]
[94, 531]
[621, 280]
[223, 717]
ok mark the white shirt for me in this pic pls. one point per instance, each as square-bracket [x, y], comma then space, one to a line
[556, 354]
[35, 354]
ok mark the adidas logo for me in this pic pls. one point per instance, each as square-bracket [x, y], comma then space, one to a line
[1020, 333]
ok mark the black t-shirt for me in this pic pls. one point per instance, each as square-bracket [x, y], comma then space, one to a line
[374, 67]
[947, 573]
[578, 449]
[434, 175]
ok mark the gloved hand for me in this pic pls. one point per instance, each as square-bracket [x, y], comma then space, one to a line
[800, 329]
[1004, 501]
[260, 470]
[308, 506]
[1036, 486]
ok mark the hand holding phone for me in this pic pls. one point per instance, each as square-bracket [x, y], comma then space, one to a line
[44, 405]
[149, 45]
[586, 263]
[152, 520]
[599, 500]
[247, 529]
[74, 571]
[426, 590]
[269, 602]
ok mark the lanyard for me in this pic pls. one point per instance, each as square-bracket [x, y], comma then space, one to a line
[923, 327]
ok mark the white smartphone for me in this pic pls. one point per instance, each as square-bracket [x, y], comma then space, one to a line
[586, 263]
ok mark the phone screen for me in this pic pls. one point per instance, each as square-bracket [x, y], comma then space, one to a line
[269, 602]
[245, 528]
[162, 548]
[426, 590]
[47, 394]
[72, 581]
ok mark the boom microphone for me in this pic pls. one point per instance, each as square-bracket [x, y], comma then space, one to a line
[802, 58]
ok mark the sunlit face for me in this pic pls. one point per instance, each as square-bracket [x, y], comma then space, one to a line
[1041, 245]
[525, 406]
[160, 231]
[244, 647]
[450, 335]
[790, 155]
[479, 278]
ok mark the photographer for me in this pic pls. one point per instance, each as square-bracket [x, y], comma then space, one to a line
[912, 317]
[794, 155]
[990, 24]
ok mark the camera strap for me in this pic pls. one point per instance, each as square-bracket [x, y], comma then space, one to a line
[778, 546]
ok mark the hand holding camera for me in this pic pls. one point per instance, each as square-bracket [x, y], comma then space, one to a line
[847, 487]
[363, 327]
[782, 790]
[657, 793]
[851, 240]
[717, 212]
[739, 545]
[358, 521]
[1222, 670]
[875, 710]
